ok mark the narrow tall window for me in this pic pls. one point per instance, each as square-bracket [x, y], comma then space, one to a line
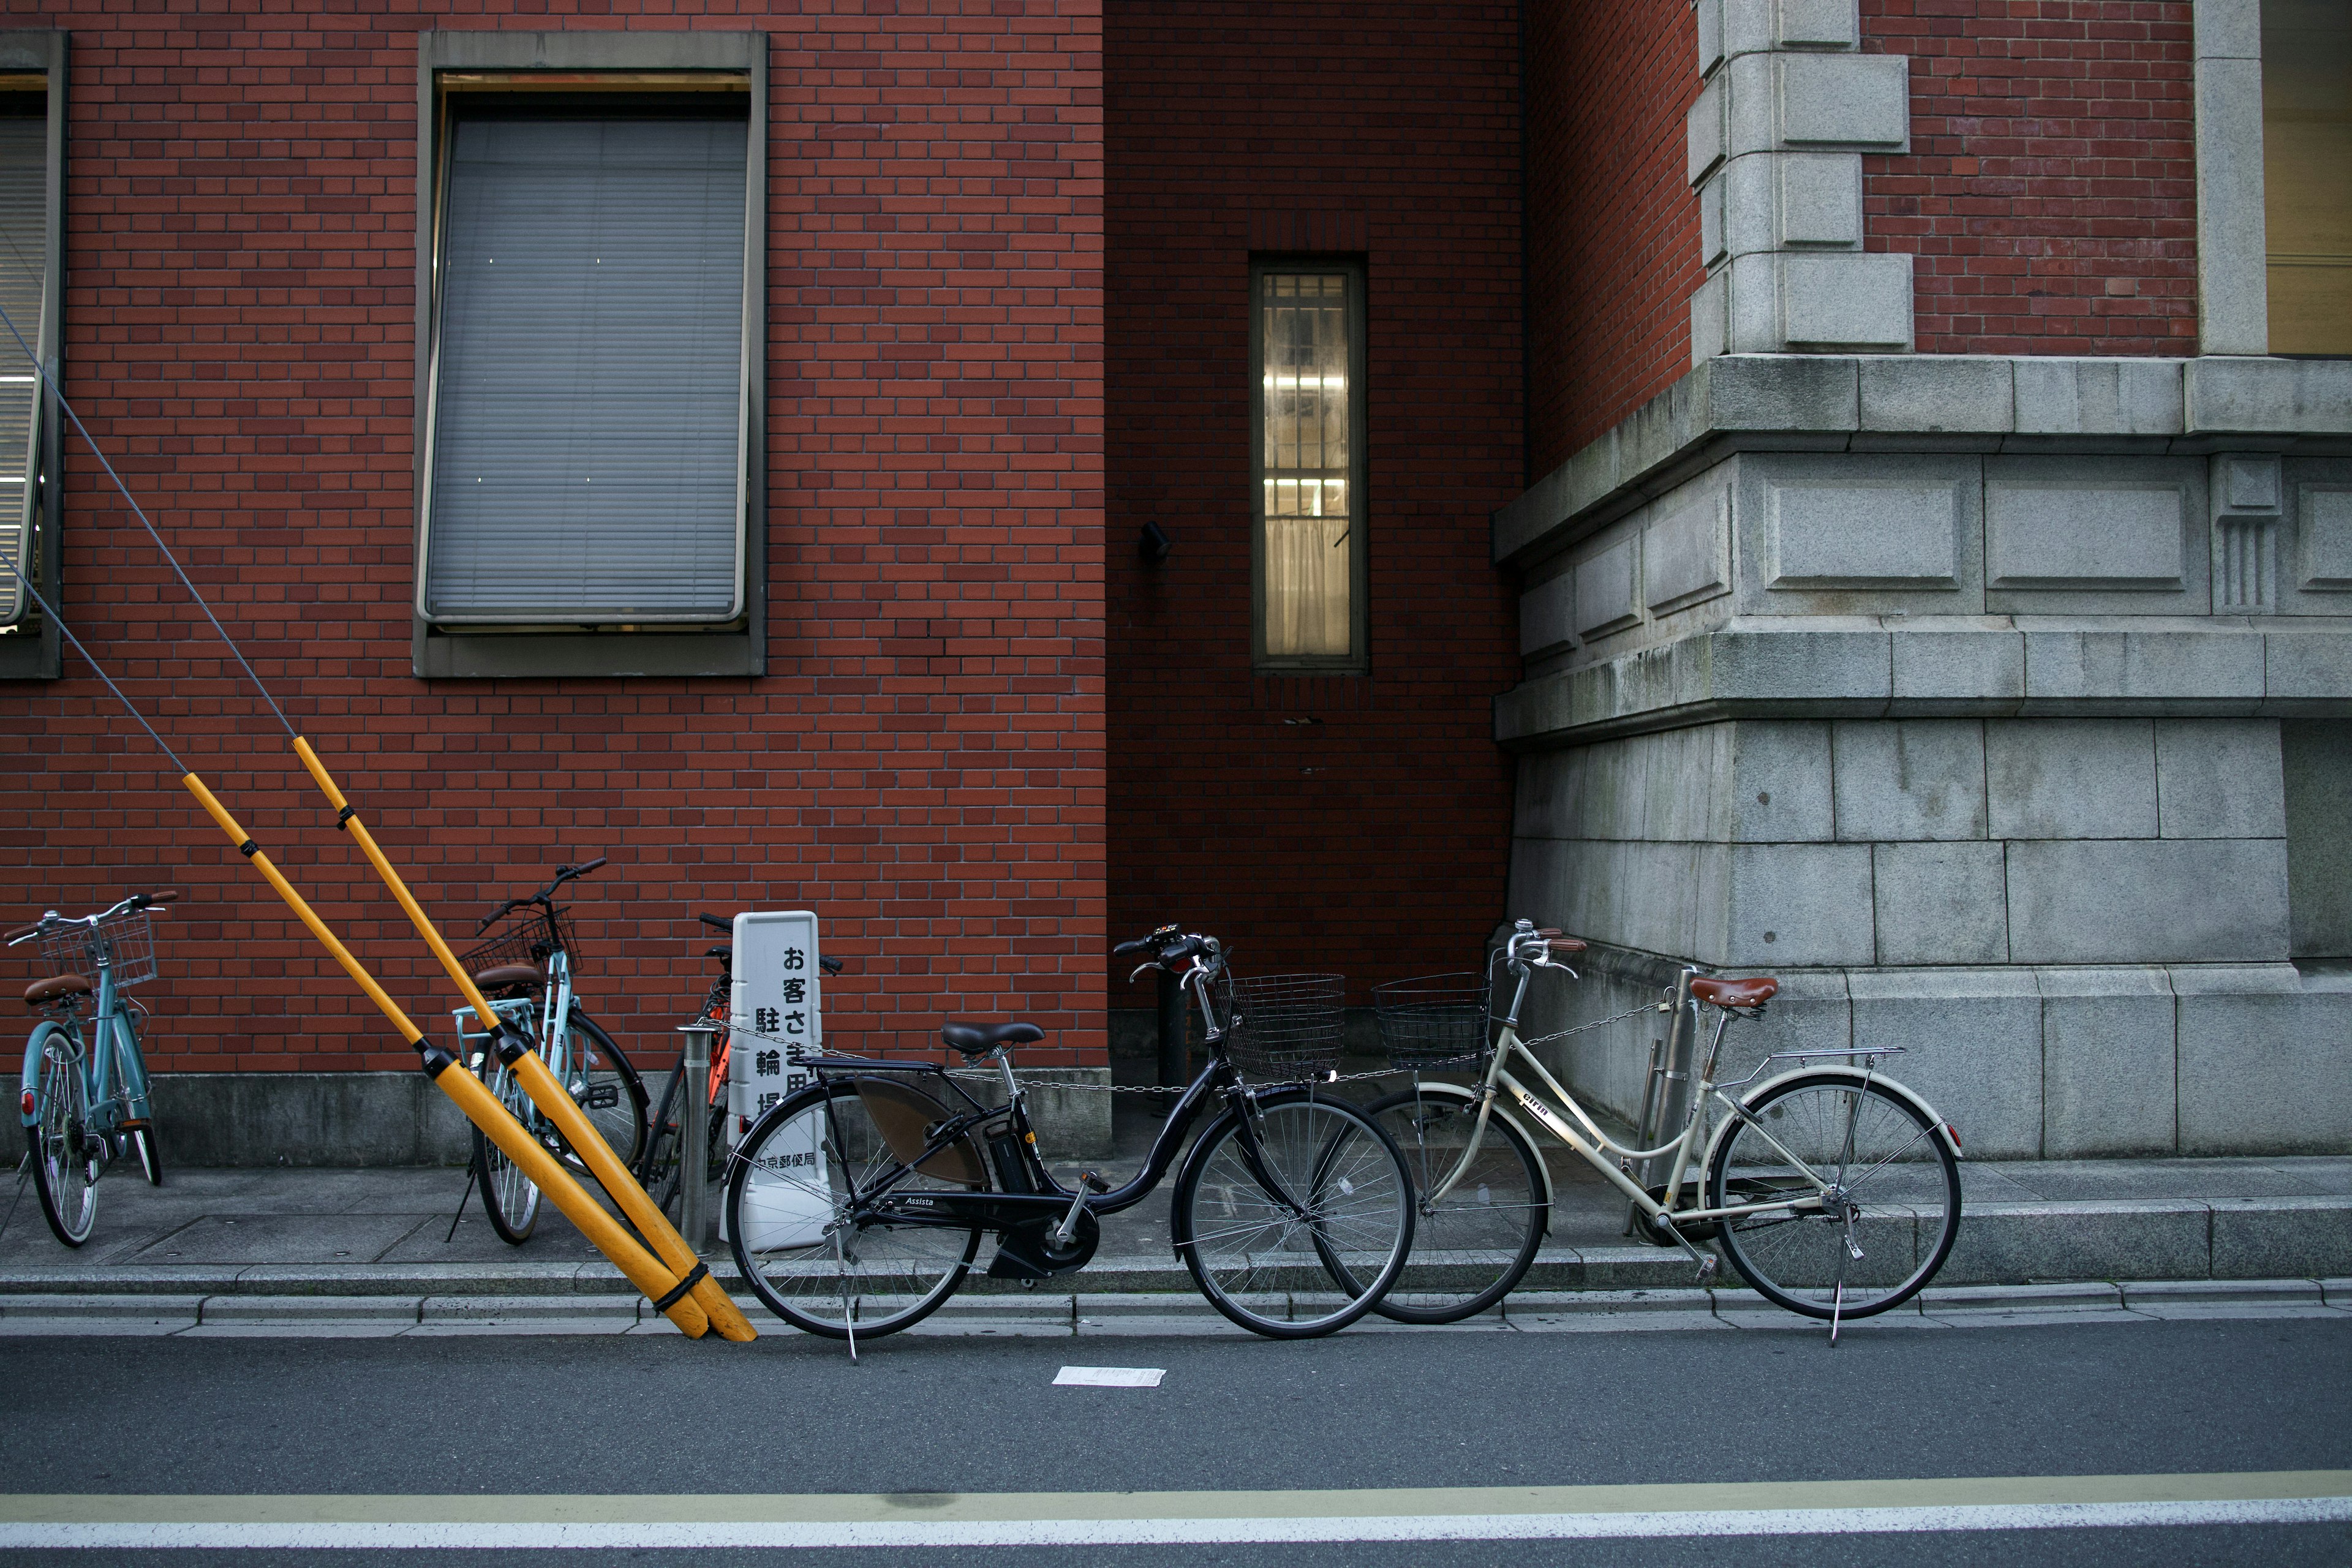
[589, 391]
[24, 199]
[2307, 174]
[1308, 337]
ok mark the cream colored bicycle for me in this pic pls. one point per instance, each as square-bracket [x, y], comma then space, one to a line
[1834, 1190]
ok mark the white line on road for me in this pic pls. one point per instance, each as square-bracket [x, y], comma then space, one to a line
[1171, 1519]
[1109, 1377]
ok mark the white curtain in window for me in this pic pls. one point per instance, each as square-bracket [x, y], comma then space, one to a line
[1309, 507]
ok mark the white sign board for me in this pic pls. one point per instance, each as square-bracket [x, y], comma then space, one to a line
[776, 1011]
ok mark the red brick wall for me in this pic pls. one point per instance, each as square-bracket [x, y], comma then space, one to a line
[2050, 189]
[923, 763]
[1325, 824]
[1612, 226]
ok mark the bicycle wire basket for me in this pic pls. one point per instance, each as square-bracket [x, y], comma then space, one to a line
[1435, 1020]
[530, 935]
[1286, 1029]
[128, 942]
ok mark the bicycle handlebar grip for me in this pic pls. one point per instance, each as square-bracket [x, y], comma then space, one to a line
[715, 923]
[1564, 944]
[1138, 945]
[830, 966]
[20, 933]
[583, 870]
[166, 897]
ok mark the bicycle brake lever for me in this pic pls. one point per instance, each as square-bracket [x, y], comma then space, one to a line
[1140, 971]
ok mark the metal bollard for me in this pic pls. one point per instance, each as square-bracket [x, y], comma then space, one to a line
[694, 1138]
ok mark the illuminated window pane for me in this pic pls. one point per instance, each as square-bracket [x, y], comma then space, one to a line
[1309, 540]
[2307, 174]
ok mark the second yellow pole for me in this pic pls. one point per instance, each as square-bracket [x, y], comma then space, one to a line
[479, 1105]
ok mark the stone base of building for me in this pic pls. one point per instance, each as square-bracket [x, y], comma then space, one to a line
[2041, 1062]
[365, 1119]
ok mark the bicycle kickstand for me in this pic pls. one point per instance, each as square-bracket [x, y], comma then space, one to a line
[473, 1169]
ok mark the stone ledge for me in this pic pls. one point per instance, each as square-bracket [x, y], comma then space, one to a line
[1947, 403]
[1895, 668]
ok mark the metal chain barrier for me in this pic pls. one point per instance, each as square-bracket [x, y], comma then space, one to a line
[976, 1073]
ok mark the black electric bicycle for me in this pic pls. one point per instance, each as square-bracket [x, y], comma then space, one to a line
[856, 1205]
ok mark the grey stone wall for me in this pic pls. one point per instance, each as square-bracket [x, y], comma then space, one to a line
[1999, 707]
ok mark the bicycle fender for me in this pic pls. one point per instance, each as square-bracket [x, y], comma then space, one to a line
[1503, 1112]
[1886, 1085]
[31, 1081]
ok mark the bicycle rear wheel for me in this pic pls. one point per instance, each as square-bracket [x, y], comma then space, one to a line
[508, 1196]
[788, 1219]
[67, 1156]
[1335, 1208]
[1471, 1247]
[610, 1094]
[1883, 1226]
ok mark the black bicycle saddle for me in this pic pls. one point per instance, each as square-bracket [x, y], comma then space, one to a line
[977, 1039]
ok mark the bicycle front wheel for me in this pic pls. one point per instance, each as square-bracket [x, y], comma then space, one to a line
[508, 1196]
[608, 1092]
[1471, 1247]
[66, 1154]
[1873, 1189]
[1271, 1211]
[789, 1219]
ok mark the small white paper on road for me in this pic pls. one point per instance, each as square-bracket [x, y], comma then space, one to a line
[1109, 1377]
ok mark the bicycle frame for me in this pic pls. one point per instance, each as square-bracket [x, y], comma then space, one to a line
[1590, 1142]
[1011, 1210]
[112, 1047]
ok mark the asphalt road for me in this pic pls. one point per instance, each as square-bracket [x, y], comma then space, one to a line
[788, 1414]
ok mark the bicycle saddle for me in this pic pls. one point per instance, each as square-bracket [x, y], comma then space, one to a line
[975, 1040]
[41, 992]
[1735, 993]
[510, 976]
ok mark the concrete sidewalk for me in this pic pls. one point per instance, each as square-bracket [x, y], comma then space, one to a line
[281, 1232]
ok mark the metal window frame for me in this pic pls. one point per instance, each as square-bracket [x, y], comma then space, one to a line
[618, 63]
[1358, 659]
[30, 645]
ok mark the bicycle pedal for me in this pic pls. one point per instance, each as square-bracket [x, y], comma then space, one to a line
[1093, 1182]
[1707, 1268]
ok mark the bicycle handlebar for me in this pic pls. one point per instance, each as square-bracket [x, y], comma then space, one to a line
[135, 902]
[563, 874]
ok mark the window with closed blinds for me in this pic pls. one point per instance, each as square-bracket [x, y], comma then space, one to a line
[590, 396]
[1310, 500]
[24, 245]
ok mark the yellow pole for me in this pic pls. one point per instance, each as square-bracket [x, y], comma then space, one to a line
[553, 1101]
[480, 1106]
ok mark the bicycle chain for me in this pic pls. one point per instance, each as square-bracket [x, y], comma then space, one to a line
[733, 1030]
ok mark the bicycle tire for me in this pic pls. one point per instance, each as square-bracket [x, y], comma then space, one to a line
[1473, 1246]
[65, 1169]
[597, 1063]
[507, 1195]
[151, 1154]
[1905, 1182]
[1254, 1257]
[802, 1277]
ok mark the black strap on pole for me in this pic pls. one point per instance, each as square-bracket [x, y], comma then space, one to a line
[678, 1293]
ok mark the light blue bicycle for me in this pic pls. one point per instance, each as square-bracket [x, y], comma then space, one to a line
[84, 1095]
[526, 972]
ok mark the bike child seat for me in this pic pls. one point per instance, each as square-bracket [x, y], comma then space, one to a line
[55, 988]
[978, 1039]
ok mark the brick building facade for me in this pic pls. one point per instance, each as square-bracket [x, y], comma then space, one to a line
[1848, 486]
